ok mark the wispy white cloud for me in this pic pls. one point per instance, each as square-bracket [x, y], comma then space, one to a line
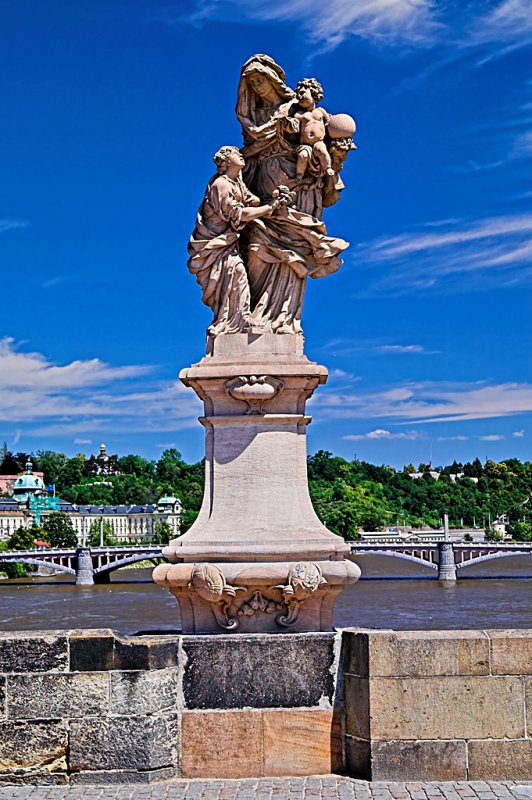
[494, 248]
[11, 224]
[491, 29]
[428, 402]
[518, 434]
[82, 441]
[452, 438]
[395, 22]
[400, 348]
[492, 437]
[87, 396]
[381, 433]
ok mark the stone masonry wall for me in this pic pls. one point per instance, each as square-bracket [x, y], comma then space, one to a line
[438, 705]
[93, 707]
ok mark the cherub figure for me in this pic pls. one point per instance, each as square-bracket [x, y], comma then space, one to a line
[312, 121]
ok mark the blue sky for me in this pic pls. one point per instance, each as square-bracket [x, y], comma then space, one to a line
[111, 111]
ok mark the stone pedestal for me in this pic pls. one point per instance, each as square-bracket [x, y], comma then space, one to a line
[257, 558]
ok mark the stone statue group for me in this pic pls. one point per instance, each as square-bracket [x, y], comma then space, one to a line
[259, 232]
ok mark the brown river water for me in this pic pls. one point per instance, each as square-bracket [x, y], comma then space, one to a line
[392, 594]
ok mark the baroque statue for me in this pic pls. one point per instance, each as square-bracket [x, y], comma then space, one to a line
[259, 231]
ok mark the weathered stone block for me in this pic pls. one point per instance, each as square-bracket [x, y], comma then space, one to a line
[500, 760]
[121, 777]
[143, 692]
[221, 744]
[91, 650]
[2, 697]
[96, 650]
[157, 652]
[446, 708]
[32, 778]
[420, 761]
[123, 742]
[57, 696]
[306, 742]
[528, 705]
[511, 652]
[357, 706]
[358, 757]
[258, 671]
[30, 651]
[33, 746]
[416, 653]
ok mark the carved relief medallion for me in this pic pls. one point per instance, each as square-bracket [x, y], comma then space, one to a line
[254, 390]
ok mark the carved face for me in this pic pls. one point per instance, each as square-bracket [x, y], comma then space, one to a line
[260, 84]
[234, 160]
[305, 98]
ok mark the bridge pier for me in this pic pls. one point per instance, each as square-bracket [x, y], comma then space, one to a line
[446, 562]
[84, 568]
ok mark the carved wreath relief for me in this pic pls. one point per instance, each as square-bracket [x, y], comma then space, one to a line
[209, 582]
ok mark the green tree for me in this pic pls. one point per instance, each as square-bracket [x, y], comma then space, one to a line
[59, 532]
[21, 539]
[162, 532]
[520, 531]
[94, 536]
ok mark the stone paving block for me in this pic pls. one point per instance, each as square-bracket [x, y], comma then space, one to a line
[302, 742]
[56, 696]
[446, 708]
[257, 671]
[221, 744]
[356, 700]
[511, 652]
[143, 692]
[120, 742]
[30, 651]
[406, 760]
[33, 746]
[496, 760]
[528, 705]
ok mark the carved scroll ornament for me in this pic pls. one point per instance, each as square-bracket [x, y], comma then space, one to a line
[303, 580]
[209, 582]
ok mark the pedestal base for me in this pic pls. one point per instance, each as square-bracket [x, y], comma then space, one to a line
[269, 597]
[257, 559]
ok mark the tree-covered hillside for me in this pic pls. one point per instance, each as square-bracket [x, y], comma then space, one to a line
[347, 495]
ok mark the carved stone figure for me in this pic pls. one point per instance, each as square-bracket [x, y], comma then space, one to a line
[303, 580]
[259, 234]
[209, 582]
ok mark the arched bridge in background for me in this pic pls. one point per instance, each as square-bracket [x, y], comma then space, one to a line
[89, 564]
[95, 564]
[445, 557]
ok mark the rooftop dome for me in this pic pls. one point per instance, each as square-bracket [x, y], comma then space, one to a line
[27, 485]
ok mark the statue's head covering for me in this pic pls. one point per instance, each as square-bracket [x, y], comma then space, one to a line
[248, 99]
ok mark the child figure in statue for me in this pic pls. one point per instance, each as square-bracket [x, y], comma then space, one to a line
[213, 248]
[312, 120]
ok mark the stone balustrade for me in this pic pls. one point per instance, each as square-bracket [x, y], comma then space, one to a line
[94, 707]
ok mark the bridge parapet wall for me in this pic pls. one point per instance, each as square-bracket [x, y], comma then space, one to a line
[91, 706]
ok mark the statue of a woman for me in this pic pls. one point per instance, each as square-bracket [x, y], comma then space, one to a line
[282, 251]
[215, 257]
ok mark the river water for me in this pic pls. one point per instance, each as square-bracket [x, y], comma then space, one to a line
[392, 594]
